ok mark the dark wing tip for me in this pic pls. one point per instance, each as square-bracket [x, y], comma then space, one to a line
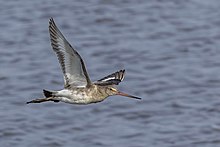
[112, 79]
[52, 23]
[51, 20]
[122, 75]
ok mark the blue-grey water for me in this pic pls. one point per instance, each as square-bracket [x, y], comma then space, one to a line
[169, 48]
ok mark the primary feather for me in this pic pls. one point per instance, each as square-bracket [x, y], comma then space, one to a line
[112, 79]
[72, 65]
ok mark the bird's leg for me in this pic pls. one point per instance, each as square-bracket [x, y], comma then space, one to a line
[40, 100]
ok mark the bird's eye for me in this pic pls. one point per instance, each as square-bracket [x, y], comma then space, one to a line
[112, 89]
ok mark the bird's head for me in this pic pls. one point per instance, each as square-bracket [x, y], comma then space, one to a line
[114, 91]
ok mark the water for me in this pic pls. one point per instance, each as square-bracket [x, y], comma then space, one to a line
[170, 50]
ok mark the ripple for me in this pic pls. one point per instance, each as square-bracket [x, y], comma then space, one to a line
[168, 48]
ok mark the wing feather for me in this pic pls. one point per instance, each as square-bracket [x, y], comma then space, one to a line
[72, 65]
[112, 79]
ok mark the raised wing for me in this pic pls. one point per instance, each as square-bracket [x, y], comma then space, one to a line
[72, 65]
[113, 79]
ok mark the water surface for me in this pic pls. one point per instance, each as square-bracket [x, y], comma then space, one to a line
[171, 53]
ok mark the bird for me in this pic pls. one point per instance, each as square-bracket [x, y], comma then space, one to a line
[78, 88]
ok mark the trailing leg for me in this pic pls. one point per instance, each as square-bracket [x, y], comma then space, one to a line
[40, 100]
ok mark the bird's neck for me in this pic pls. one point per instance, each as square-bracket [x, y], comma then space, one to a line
[97, 93]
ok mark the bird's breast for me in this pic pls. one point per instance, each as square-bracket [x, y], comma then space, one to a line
[81, 96]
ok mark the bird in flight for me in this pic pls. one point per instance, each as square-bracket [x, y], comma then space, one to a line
[78, 88]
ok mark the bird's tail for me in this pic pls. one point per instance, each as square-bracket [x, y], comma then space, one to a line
[48, 93]
[49, 97]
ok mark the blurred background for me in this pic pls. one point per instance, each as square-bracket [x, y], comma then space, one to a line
[169, 48]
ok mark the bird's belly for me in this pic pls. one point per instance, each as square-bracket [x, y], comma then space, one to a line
[79, 99]
[74, 97]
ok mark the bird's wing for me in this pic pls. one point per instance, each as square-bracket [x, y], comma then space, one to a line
[112, 79]
[72, 65]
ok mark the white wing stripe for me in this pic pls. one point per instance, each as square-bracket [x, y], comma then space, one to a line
[113, 79]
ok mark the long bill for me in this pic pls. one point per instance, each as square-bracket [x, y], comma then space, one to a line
[127, 95]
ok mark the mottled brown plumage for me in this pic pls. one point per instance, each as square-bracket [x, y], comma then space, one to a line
[78, 88]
